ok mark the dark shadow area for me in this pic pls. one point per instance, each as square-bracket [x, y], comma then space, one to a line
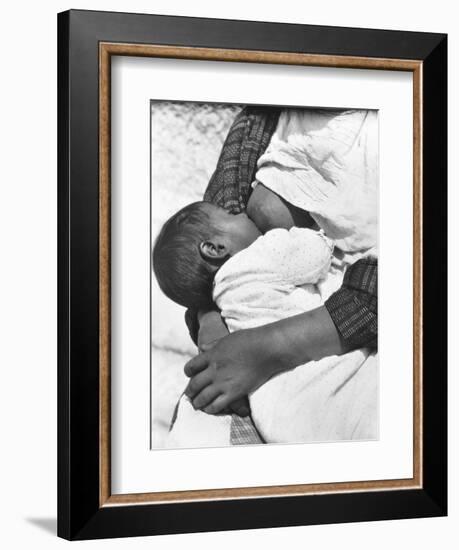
[45, 524]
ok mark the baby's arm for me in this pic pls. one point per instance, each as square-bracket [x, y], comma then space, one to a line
[212, 327]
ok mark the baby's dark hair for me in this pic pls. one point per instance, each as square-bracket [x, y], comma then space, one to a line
[182, 273]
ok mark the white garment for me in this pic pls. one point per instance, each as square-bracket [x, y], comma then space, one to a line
[196, 429]
[277, 277]
[325, 162]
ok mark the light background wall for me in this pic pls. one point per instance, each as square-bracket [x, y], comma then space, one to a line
[28, 272]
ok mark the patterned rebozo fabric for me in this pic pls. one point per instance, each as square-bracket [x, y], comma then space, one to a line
[354, 306]
[247, 140]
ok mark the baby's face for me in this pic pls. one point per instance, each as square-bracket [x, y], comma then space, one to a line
[237, 230]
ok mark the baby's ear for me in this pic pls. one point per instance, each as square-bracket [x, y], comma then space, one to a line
[212, 252]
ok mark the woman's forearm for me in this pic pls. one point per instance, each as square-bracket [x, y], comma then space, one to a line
[241, 362]
[296, 340]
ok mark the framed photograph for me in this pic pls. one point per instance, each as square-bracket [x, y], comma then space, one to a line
[252, 274]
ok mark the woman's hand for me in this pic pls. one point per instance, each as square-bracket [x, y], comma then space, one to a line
[240, 362]
[230, 369]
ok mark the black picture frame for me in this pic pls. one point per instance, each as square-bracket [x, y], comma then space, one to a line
[80, 515]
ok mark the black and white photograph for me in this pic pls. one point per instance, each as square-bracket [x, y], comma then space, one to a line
[229, 304]
[264, 284]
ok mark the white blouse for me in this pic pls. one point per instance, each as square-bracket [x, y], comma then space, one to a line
[325, 161]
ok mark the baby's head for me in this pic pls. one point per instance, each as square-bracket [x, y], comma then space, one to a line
[192, 245]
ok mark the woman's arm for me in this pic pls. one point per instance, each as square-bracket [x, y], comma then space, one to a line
[242, 361]
[354, 307]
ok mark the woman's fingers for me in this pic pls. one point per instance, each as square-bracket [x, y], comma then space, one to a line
[197, 364]
[218, 405]
[198, 383]
[205, 397]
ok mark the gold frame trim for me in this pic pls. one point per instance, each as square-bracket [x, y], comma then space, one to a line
[106, 50]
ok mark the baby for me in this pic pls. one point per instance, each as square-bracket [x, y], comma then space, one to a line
[191, 247]
[197, 241]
